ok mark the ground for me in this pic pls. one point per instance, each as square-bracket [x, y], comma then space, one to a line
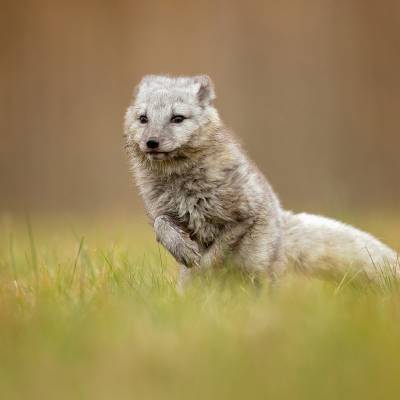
[89, 310]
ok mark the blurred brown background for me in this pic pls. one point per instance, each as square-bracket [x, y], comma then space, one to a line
[311, 86]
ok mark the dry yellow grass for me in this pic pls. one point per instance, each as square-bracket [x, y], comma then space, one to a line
[89, 310]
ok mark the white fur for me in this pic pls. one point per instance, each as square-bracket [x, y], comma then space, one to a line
[323, 246]
[210, 204]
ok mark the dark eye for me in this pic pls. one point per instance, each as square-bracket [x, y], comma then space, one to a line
[177, 119]
[143, 119]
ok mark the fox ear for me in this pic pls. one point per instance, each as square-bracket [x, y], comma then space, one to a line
[204, 89]
[144, 82]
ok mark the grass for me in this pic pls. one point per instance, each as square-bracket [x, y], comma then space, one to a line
[89, 310]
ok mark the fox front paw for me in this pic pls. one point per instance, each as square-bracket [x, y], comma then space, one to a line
[187, 253]
[177, 241]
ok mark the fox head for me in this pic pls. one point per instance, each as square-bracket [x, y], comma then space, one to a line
[170, 118]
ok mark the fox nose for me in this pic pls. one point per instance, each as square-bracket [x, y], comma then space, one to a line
[152, 143]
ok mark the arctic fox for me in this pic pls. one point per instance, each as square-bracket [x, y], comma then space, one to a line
[209, 204]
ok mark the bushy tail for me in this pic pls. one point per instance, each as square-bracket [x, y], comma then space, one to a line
[321, 246]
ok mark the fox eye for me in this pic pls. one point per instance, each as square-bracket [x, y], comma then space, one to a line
[177, 119]
[143, 119]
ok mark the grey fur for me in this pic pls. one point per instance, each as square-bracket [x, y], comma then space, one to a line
[209, 203]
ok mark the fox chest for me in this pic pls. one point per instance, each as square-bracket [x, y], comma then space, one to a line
[195, 209]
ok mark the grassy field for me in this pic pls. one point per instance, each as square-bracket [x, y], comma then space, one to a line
[88, 310]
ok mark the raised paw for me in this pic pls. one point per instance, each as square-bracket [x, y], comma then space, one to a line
[187, 253]
[177, 241]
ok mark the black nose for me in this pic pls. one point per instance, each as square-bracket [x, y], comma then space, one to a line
[152, 143]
